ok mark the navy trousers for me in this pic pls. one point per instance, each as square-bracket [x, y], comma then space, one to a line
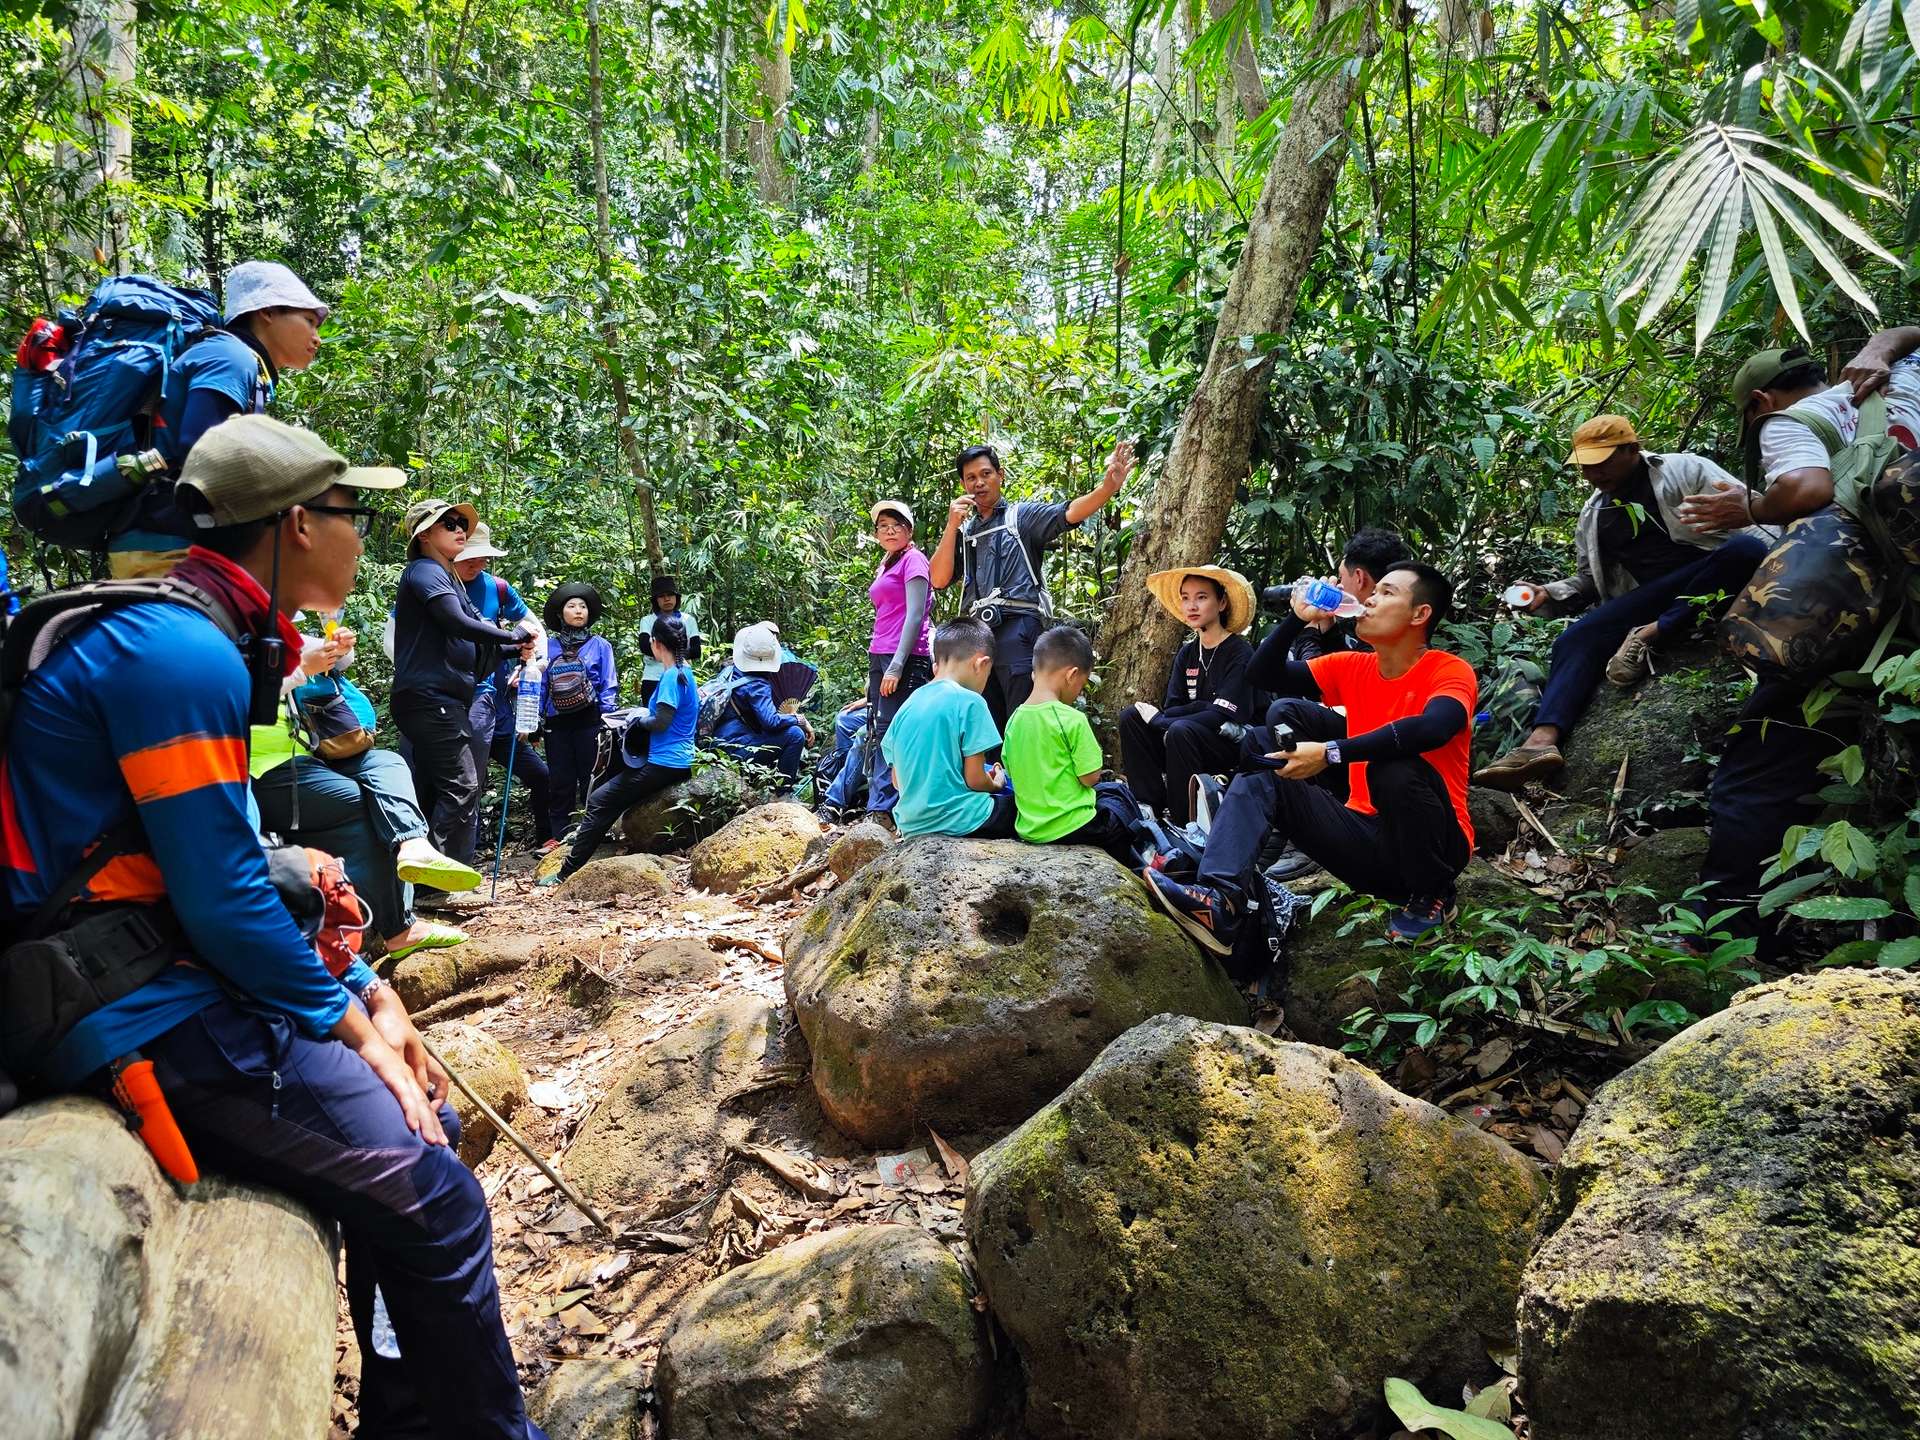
[626, 787]
[572, 746]
[1581, 653]
[530, 770]
[782, 752]
[258, 1101]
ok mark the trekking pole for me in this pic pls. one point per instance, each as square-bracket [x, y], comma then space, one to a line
[579, 1201]
[506, 803]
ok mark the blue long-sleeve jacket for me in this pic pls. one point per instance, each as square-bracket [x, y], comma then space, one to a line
[146, 711]
[750, 715]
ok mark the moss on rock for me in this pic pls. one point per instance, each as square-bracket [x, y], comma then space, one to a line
[495, 1074]
[859, 1334]
[690, 811]
[598, 1399]
[751, 849]
[612, 876]
[964, 982]
[859, 846]
[429, 976]
[1216, 1233]
[1666, 863]
[1734, 1231]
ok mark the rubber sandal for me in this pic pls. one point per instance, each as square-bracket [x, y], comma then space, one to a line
[439, 873]
[438, 937]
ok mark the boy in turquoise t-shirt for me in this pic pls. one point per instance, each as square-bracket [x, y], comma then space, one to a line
[1055, 762]
[938, 744]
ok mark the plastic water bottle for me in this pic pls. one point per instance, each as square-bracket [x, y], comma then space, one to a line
[385, 1343]
[1325, 595]
[526, 706]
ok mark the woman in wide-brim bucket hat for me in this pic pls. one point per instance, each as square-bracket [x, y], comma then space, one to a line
[581, 686]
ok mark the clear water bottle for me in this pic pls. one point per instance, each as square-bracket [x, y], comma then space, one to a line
[385, 1343]
[1325, 595]
[526, 705]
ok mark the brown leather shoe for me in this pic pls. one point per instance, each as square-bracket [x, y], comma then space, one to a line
[1632, 662]
[1520, 765]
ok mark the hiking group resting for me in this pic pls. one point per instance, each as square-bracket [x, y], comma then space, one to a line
[157, 731]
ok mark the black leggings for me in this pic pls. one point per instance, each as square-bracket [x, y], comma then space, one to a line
[443, 770]
[610, 801]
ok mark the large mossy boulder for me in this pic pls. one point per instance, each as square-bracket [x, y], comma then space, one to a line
[963, 983]
[1214, 1233]
[612, 877]
[1732, 1246]
[765, 843]
[429, 976]
[492, 1071]
[1665, 727]
[130, 1313]
[860, 846]
[860, 1334]
[690, 811]
[658, 1139]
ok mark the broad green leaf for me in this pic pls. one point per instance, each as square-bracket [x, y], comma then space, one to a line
[1849, 850]
[1840, 907]
[1899, 954]
[1413, 1411]
[1791, 890]
[1854, 952]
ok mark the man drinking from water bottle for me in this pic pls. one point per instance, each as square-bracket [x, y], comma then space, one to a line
[998, 553]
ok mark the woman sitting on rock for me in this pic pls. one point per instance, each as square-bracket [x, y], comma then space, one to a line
[1162, 748]
[752, 725]
[656, 747]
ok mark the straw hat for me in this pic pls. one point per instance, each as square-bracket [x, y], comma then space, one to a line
[1236, 615]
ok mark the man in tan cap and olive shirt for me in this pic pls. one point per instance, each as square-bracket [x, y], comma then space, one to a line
[1640, 566]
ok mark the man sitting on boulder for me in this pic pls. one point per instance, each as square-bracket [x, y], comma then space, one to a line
[126, 823]
[1403, 832]
[1648, 568]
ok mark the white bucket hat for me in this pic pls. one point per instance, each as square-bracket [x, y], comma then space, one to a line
[267, 285]
[756, 650]
[480, 545]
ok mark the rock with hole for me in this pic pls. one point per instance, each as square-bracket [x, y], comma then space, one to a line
[751, 849]
[1215, 1233]
[493, 1072]
[612, 876]
[962, 983]
[859, 1334]
[659, 1137]
[1732, 1247]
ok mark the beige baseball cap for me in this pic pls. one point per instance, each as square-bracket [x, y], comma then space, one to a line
[254, 467]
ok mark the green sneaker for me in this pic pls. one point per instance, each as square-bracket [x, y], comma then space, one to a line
[427, 866]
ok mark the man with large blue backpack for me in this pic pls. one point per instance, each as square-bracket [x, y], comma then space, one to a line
[107, 403]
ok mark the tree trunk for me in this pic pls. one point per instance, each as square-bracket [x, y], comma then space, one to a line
[1185, 516]
[1166, 114]
[99, 58]
[1247, 85]
[763, 134]
[132, 1313]
[609, 329]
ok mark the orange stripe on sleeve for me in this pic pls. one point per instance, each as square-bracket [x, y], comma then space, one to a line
[190, 762]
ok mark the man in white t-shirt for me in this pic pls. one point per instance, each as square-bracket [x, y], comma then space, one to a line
[1789, 472]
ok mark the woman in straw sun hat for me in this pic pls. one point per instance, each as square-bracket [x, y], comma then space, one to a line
[1163, 747]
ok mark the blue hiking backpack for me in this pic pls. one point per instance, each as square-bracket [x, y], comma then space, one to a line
[83, 398]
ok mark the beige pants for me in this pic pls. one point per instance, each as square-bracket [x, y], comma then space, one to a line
[143, 564]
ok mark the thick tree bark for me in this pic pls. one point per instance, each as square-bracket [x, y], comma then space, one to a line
[1185, 516]
[763, 133]
[609, 330]
[99, 59]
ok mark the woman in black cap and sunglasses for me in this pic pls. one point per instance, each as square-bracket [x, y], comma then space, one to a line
[441, 648]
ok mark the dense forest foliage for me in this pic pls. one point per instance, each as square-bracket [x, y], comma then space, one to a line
[690, 285]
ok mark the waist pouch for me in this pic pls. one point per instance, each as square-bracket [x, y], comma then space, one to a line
[334, 732]
[52, 982]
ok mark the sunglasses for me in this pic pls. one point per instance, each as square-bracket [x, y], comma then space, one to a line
[454, 522]
[361, 516]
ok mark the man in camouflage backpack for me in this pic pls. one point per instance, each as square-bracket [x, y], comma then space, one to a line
[1822, 594]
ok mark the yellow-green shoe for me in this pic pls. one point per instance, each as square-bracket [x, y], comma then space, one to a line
[427, 866]
[438, 937]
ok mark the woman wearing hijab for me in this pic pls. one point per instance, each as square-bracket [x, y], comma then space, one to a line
[581, 685]
[655, 751]
[441, 649]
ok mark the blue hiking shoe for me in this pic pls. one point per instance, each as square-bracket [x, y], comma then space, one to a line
[1201, 912]
[1419, 918]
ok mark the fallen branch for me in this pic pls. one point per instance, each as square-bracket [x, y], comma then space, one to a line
[1619, 789]
[460, 1004]
[1532, 1020]
[786, 884]
[579, 1200]
[742, 942]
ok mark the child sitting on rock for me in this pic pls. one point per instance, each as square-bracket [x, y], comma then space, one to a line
[939, 740]
[1054, 762]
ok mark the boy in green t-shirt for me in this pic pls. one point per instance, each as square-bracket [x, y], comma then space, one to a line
[1054, 761]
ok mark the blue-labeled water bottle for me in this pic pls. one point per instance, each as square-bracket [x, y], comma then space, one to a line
[1325, 595]
[526, 706]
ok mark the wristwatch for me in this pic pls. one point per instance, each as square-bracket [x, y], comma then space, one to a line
[1333, 752]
